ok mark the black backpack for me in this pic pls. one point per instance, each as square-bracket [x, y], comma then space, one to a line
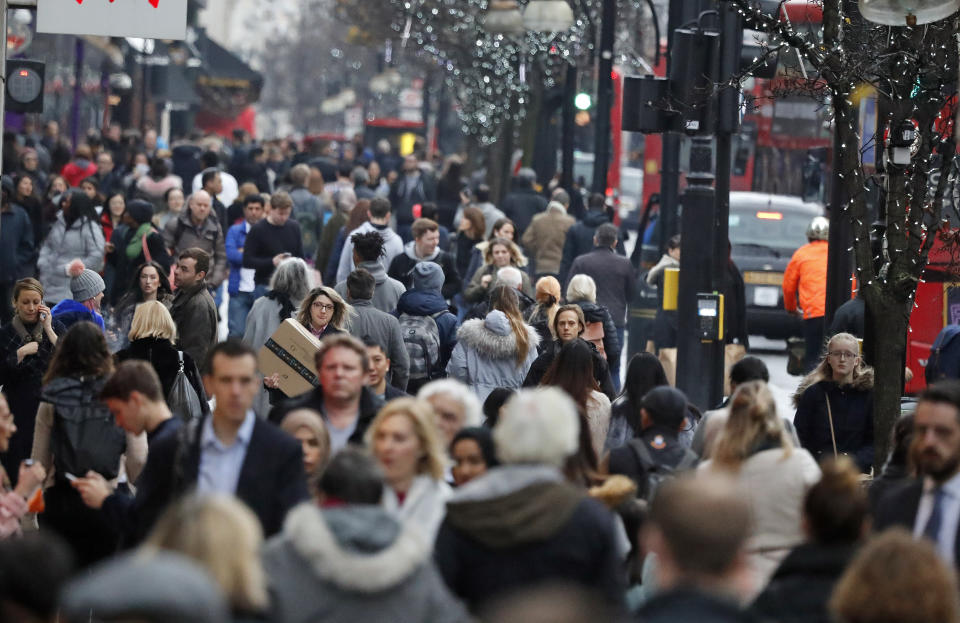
[657, 473]
[85, 436]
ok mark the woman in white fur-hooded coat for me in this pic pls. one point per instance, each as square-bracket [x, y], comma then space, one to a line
[496, 351]
[354, 561]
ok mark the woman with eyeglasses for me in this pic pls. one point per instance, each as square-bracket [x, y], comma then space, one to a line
[324, 312]
[835, 404]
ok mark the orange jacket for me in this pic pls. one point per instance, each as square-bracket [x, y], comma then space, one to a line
[807, 271]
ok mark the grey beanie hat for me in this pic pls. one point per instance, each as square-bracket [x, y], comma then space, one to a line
[86, 285]
[427, 276]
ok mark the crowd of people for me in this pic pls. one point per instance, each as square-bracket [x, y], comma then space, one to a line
[465, 450]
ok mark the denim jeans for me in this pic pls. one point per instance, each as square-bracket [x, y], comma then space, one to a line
[237, 310]
[615, 366]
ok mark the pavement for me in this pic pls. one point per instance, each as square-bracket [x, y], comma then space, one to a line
[782, 385]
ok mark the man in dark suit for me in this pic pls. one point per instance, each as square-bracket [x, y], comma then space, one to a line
[234, 452]
[929, 505]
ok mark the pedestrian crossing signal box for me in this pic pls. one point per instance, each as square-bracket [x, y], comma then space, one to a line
[710, 314]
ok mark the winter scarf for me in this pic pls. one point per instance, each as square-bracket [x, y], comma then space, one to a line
[286, 307]
[135, 248]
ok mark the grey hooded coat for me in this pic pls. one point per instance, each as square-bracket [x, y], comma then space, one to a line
[486, 354]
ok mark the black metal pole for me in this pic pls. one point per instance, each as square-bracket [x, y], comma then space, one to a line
[681, 12]
[568, 128]
[696, 370]
[601, 149]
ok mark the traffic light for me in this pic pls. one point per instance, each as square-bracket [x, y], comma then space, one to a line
[24, 80]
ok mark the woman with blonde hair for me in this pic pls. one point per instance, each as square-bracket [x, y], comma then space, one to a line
[498, 254]
[224, 537]
[896, 578]
[496, 351]
[324, 312]
[306, 425]
[774, 475]
[540, 315]
[582, 291]
[404, 440]
[835, 404]
[153, 334]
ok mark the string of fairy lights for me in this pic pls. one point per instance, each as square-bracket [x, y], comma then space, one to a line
[491, 74]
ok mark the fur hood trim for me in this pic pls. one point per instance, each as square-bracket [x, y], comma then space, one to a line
[310, 536]
[488, 337]
[863, 381]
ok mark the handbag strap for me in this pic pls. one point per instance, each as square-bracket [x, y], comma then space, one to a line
[180, 371]
[146, 249]
[833, 436]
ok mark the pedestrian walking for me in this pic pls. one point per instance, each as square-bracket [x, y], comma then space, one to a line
[775, 476]
[153, 336]
[76, 234]
[835, 404]
[835, 519]
[76, 434]
[380, 326]
[197, 227]
[149, 283]
[133, 394]
[26, 347]
[320, 568]
[407, 447]
[242, 285]
[805, 282]
[572, 371]
[615, 282]
[368, 249]
[520, 524]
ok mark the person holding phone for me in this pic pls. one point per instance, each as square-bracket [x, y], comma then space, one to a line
[272, 240]
[14, 501]
[26, 347]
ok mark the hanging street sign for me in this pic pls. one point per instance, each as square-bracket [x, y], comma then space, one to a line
[149, 19]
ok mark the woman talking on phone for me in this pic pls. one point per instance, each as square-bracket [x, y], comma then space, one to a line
[26, 346]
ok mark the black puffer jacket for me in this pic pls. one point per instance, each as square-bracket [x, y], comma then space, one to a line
[593, 312]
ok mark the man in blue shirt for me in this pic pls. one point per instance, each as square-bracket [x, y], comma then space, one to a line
[242, 289]
[233, 452]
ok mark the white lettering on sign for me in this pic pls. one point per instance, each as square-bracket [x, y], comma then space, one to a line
[149, 19]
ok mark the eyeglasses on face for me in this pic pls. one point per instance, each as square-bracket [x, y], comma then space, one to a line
[323, 306]
[842, 354]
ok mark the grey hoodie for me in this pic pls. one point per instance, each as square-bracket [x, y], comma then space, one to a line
[486, 354]
[354, 563]
[392, 247]
[388, 290]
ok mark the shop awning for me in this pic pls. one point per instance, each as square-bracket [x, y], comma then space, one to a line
[225, 83]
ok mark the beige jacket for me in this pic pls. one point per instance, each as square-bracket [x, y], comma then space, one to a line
[544, 238]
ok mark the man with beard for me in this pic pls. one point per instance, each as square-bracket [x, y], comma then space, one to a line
[929, 505]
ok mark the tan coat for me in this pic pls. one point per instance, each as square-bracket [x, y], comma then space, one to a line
[544, 238]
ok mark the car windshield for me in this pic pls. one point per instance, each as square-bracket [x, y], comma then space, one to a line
[767, 228]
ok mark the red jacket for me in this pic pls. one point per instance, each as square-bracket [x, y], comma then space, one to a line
[75, 172]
